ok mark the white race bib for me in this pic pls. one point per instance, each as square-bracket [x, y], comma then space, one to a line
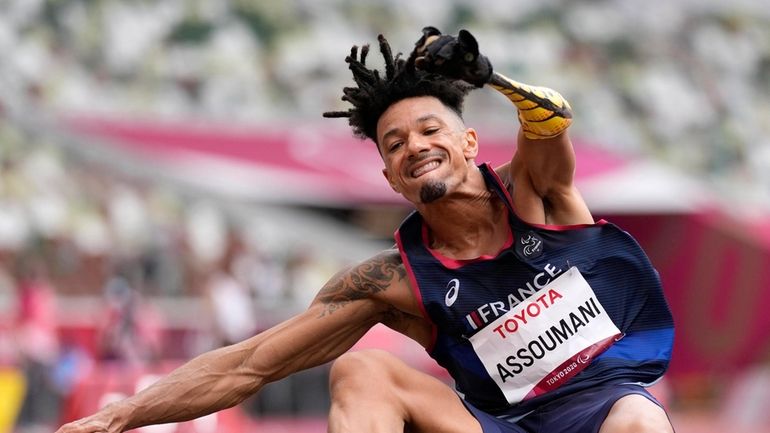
[546, 339]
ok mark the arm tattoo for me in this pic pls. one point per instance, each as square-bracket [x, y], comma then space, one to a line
[366, 279]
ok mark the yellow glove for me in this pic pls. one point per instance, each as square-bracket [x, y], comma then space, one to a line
[543, 112]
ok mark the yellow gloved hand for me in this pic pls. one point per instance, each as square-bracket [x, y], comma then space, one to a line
[543, 112]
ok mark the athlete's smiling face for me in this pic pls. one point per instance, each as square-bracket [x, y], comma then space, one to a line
[426, 148]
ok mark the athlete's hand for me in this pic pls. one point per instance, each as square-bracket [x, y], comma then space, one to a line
[104, 421]
[453, 57]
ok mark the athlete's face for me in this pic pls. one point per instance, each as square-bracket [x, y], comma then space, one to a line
[426, 148]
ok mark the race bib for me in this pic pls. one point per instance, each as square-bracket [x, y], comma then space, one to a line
[546, 339]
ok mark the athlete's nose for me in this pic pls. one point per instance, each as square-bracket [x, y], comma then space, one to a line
[416, 144]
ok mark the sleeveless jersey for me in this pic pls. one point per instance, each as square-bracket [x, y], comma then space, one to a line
[584, 302]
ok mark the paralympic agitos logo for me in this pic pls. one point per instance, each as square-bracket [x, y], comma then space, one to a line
[530, 245]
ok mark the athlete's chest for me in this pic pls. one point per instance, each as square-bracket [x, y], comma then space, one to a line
[469, 297]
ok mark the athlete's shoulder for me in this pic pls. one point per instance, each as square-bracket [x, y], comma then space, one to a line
[390, 255]
[385, 265]
[369, 278]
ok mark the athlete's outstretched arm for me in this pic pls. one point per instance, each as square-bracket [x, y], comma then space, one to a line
[348, 305]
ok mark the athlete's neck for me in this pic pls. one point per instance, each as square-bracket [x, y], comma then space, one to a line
[467, 225]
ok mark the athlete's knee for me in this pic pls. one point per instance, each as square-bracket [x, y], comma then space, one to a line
[364, 393]
[642, 424]
[636, 414]
[366, 372]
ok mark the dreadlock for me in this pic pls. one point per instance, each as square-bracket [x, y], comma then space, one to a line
[402, 80]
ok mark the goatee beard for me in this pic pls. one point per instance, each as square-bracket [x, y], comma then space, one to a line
[432, 191]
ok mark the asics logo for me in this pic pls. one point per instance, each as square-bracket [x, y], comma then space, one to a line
[453, 289]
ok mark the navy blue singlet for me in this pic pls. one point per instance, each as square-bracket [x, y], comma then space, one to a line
[462, 297]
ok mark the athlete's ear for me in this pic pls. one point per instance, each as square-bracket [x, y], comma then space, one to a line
[390, 181]
[471, 148]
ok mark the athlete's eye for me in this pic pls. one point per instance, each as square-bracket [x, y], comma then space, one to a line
[395, 145]
[430, 131]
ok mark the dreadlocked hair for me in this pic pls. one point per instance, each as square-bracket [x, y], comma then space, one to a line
[375, 94]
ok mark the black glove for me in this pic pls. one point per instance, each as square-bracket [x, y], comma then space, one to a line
[453, 57]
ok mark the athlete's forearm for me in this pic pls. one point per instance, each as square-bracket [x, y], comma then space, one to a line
[543, 112]
[208, 383]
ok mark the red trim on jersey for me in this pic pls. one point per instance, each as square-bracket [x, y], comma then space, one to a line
[577, 363]
[554, 227]
[417, 293]
[451, 263]
[501, 184]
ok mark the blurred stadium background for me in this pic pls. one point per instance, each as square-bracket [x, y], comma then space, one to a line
[167, 184]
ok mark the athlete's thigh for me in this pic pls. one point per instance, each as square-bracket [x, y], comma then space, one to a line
[430, 405]
[636, 413]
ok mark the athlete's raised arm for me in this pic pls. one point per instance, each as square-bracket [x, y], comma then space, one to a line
[543, 167]
[345, 308]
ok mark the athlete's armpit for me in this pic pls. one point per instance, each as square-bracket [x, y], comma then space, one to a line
[362, 281]
[414, 327]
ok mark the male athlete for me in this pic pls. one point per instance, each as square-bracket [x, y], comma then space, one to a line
[547, 320]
